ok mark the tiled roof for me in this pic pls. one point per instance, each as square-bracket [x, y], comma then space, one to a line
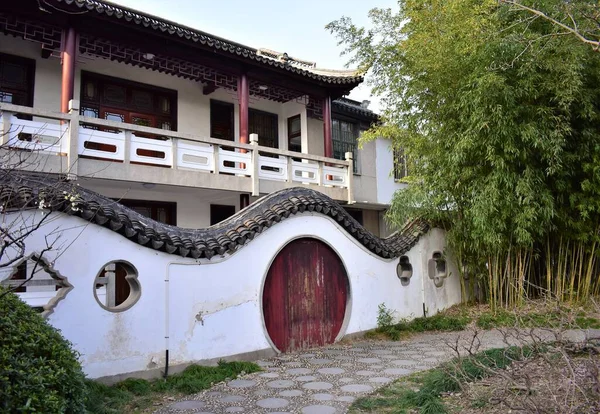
[27, 191]
[354, 107]
[171, 28]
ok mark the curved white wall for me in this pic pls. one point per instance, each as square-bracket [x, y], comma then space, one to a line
[213, 309]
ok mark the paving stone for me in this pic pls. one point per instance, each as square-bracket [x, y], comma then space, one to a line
[214, 394]
[318, 385]
[369, 360]
[356, 350]
[397, 371]
[241, 383]
[307, 355]
[273, 403]
[382, 351]
[291, 393]
[306, 378]
[365, 373]
[281, 384]
[298, 371]
[388, 356]
[403, 362]
[323, 397]
[269, 375]
[331, 371]
[380, 380]
[292, 364]
[343, 358]
[346, 398]
[232, 399]
[356, 388]
[235, 410]
[187, 405]
[376, 366]
[430, 360]
[319, 361]
[319, 409]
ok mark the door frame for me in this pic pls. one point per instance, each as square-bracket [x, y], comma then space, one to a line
[349, 296]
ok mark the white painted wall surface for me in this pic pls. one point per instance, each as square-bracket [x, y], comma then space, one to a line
[213, 309]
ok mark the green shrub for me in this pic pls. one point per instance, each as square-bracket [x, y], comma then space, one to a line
[39, 372]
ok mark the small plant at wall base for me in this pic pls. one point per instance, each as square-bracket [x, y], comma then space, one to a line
[39, 371]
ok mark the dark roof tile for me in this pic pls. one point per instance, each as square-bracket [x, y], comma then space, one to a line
[27, 191]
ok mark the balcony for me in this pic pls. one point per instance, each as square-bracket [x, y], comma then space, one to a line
[79, 146]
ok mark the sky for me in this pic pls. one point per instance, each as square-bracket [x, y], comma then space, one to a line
[296, 27]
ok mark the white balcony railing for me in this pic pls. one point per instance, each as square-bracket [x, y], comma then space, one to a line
[76, 137]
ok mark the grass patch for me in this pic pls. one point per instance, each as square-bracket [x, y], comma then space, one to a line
[422, 392]
[440, 322]
[534, 314]
[134, 394]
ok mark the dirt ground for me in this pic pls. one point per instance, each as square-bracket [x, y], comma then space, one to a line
[558, 382]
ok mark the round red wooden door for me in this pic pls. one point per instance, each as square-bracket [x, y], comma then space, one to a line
[305, 294]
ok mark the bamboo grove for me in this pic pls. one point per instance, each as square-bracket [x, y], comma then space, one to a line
[498, 113]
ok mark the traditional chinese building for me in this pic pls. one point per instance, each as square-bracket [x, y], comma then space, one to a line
[188, 130]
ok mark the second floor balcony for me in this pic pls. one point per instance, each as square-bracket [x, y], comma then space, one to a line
[75, 145]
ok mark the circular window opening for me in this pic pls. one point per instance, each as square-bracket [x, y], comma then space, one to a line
[116, 287]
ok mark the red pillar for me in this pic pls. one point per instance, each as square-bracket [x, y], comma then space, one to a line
[244, 98]
[327, 140]
[68, 68]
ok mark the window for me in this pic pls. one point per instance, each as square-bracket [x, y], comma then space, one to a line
[117, 287]
[344, 135]
[400, 165]
[218, 213]
[356, 215]
[16, 80]
[163, 212]
[264, 124]
[221, 120]
[294, 134]
[125, 101]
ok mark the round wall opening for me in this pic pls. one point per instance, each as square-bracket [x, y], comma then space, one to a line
[305, 296]
[116, 287]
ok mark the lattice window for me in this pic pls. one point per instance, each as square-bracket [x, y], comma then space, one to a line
[16, 80]
[265, 125]
[221, 120]
[400, 164]
[344, 135]
[295, 134]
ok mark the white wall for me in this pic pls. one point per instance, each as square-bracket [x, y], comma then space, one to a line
[212, 309]
[193, 205]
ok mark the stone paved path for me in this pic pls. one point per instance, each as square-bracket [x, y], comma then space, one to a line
[327, 380]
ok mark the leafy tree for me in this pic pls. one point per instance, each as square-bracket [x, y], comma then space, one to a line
[496, 109]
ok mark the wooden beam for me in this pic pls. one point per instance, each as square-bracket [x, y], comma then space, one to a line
[209, 88]
[327, 139]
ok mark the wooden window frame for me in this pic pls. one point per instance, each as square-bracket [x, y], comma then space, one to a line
[170, 206]
[261, 140]
[291, 135]
[30, 65]
[229, 106]
[98, 104]
[350, 147]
